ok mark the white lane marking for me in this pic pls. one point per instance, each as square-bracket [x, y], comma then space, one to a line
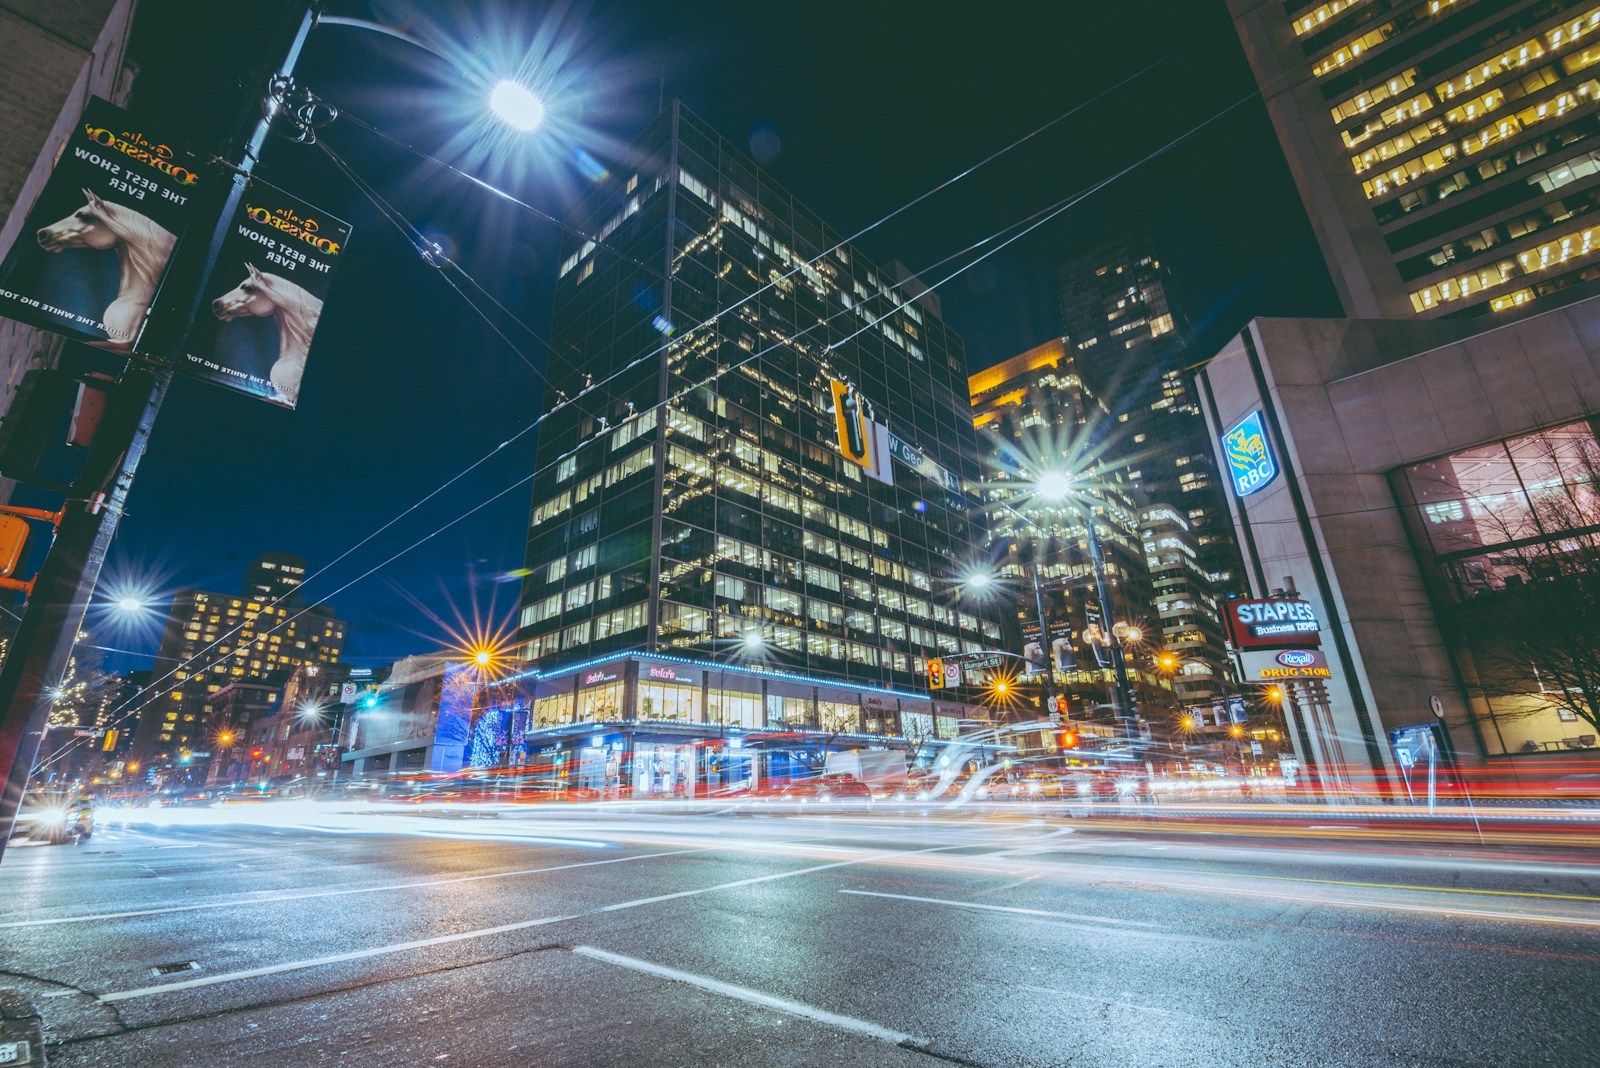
[1112, 1002]
[755, 997]
[336, 958]
[1059, 919]
[300, 895]
[484, 932]
[1003, 908]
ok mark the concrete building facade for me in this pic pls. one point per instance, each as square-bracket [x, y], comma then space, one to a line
[1431, 485]
[1448, 154]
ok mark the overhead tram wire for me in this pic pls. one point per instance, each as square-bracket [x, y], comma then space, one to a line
[518, 483]
[710, 319]
[1030, 223]
[947, 183]
[429, 251]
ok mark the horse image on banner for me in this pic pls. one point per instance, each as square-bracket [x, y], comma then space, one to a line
[142, 248]
[297, 311]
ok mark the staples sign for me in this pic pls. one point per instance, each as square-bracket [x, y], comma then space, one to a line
[1273, 623]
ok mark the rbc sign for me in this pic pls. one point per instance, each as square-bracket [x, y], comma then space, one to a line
[1250, 462]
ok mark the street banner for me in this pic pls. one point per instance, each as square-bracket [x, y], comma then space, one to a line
[264, 297]
[98, 239]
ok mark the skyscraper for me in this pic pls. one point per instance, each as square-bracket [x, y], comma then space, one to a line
[691, 497]
[213, 639]
[1128, 332]
[1448, 152]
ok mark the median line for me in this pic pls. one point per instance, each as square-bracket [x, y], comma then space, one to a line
[756, 997]
[1076, 921]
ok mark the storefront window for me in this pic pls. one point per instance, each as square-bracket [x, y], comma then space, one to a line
[669, 700]
[600, 702]
[838, 717]
[1509, 536]
[788, 711]
[552, 711]
[732, 708]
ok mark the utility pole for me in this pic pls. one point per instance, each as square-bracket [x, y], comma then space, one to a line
[65, 585]
[1044, 645]
[1119, 663]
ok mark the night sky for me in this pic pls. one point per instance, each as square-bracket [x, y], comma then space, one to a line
[857, 108]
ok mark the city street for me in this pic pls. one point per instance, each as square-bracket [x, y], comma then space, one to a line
[900, 936]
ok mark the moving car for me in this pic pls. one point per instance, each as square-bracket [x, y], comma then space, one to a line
[826, 788]
[54, 816]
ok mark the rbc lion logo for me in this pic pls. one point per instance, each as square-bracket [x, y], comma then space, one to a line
[1250, 462]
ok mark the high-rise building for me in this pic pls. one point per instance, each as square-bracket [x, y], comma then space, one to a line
[1037, 414]
[1448, 153]
[275, 576]
[1128, 333]
[1192, 640]
[691, 498]
[214, 639]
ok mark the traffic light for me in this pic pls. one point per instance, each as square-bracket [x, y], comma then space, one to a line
[255, 754]
[1068, 739]
[14, 533]
[111, 740]
[936, 674]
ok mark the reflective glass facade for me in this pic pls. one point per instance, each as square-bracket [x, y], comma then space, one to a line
[690, 497]
[1509, 536]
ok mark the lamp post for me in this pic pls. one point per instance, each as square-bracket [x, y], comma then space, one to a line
[1057, 487]
[65, 584]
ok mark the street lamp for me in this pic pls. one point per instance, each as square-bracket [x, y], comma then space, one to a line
[517, 106]
[1057, 487]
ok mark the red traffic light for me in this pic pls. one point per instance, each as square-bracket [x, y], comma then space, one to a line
[255, 754]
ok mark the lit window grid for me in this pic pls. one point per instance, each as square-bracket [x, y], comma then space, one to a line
[1562, 104]
[1540, 258]
[1314, 18]
[1512, 59]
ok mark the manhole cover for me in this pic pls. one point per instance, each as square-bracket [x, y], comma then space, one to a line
[176, 966]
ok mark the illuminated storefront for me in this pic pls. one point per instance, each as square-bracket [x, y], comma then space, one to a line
[653, 726]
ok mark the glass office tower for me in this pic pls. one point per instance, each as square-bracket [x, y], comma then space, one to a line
[691, 498]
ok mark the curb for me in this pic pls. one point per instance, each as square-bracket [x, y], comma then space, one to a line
[21, 1040]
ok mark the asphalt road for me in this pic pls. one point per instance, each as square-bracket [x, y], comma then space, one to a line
[591, 936]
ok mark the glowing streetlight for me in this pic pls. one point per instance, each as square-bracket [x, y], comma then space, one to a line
[978, 579]
[752, 641]
[225, 738]
[483, 658]
[1054, 485]
[517, 106]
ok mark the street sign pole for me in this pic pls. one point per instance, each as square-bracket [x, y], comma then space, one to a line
[39, 651]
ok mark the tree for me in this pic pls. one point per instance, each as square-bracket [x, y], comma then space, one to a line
[1524, 613]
